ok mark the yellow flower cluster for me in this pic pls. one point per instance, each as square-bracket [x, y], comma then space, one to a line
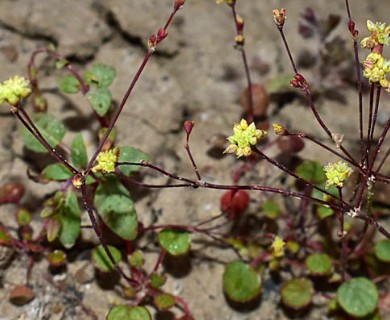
[244, 137]
[277, 247]
[106, 161]
[14, 89]
[376, 67]
[336, 173]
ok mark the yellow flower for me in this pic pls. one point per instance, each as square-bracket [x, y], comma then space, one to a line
[106, 161]
[278, 247]
[226, 1]
[13, 89]
[279, 129]
[336, 173]
[244, 137]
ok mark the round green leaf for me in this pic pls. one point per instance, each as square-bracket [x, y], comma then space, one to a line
[319, 264]
[271, 209]
[130, 154]
[241, 283]
[157, 280]
[69, 216]
[175, 242]
[116, 208]
[164, 301]
[123, 312]
[56, 258]
[23, 217]
[297, 293]
[382, 250]
[312, 171]
[100, 100]
[69, 84]
[57, 172]
[324, 212]
[51, 129]
[137, 259]
[100, 75]
[5, 238]
[358, 297]
[78, 152]
[102, 261]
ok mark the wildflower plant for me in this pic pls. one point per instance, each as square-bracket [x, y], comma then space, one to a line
[288, 231]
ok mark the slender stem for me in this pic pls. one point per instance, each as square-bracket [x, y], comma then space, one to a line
[250, 115]
[359, 83]
[119, 109]
[291, 173]
[189, 153]
[31, 127]
[342, 234]
[370, 124]
[288, 49]
[88, 206]
[350, 160]
[118, 112]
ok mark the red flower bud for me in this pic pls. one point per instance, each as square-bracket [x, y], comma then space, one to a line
[178, 4]
[351, 26]
[294, 83]
[188, 125]
[234, 202]
[161, 34]
[299, 78]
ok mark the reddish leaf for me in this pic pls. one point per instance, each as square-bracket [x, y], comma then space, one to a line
[11, 192]
[21, 295]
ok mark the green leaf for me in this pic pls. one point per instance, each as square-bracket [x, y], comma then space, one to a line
[297, 293]
[57, 172]
[23, 217]
[358, 297]
[101, 259]
[115, 206]
[5, 238]
[319, 264]
[175, 242]
[70, 220]
[53, 227]
[78, 152]
[312, 171]
[124, 312]
[61, 63]
[324, 212]
[157, 280]
[164, 301]
[130, 154]
[100, 76]
[271, 209]
[100, 100]
[382, 250]
[322, 196]
[69, 84]
[56, 258]
[241, 283]
[137, 259]
[280, 83]
[51, 129]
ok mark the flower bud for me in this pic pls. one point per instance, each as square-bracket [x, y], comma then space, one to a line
[188, 125]
[178, 4]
